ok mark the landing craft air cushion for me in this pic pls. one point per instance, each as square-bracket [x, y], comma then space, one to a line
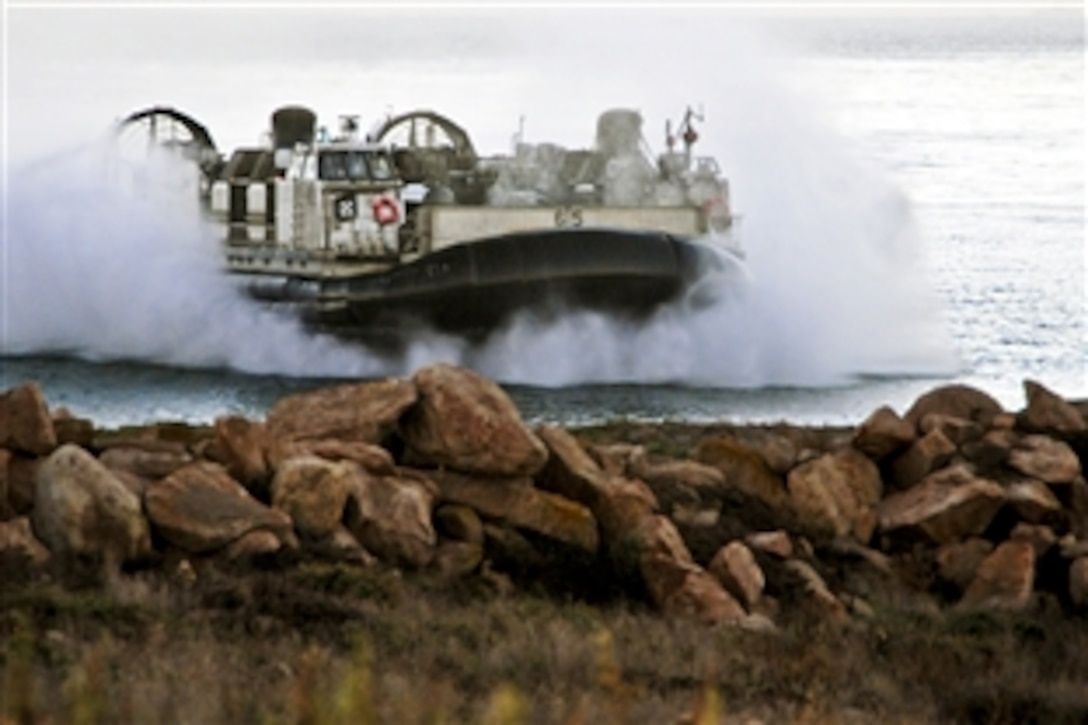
[374, 235]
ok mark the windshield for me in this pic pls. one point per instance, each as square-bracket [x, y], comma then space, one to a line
[354, 166]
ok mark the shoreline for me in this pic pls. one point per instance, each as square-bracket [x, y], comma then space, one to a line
[354, 511]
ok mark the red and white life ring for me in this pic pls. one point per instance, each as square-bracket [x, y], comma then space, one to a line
[386, 210]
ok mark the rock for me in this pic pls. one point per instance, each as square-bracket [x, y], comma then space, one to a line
[814, 592]
[1078, 507]
[1033, 501]
[82, 510]
[252, 547]
[517, 502]
[681, 482]
[1049, 460]
[456, 559]
[242, 446]
[833, 495]
[570, 470]
[314, 492]
[70, 429]
[510, 550]
[773, 542]
[460, 523]
[656, 537]
[957, 401]
[927, 454]
[949, 505]
[744, 470]
[883, 433]
[696, 516]
[25, 424]
[1078, 583]
[622, 510]
[1041, 538]
[1004, 579]
[366, 412]
[992, 450]
[147, 463]
[957, 561]
[1071, 547]
[374, 459]
[201, 509]
[736, 568]
[340, 545]
[846, 548]
[21, 554]
[1048, 413]
[956, 430]
[616, 459]
[7, 511]
[778, 451]
[22, 474]
[682, 589]
[465, 422]
[391, 517]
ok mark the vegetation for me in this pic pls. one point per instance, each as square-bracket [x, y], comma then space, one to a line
[336, 644]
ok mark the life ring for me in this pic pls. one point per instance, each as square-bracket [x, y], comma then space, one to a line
[386, 211]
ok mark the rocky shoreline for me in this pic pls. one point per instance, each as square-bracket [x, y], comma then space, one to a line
[956, 504]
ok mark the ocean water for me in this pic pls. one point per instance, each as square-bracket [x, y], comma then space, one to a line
[912, 192]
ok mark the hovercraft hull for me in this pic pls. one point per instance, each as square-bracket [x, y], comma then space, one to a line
[473, 289]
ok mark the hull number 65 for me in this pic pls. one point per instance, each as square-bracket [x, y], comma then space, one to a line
[568, 216]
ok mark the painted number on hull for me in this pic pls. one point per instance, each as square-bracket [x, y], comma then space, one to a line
[568, 216]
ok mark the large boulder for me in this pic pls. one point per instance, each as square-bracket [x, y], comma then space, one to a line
[373, 458]
[25, 424]
[391, 517]
[314, 492]
[1033, 501]
[883, 433]
[958, 561]
[22, 476]
[745, 470]
[676, 482]
[459, 523]
[367, 412]
[82, 510]
[201, 509]
[517, 502]
[957, 401]
[1049, 460]
[21, 554]
[780, 449]
[466, 422]
[949, 505]
[149, 461]
[735, 567]
[243, 447]
[570, 470]
[681, 589]
[927, 454]
[1049, 413]
[1004, 579]
[834, 495]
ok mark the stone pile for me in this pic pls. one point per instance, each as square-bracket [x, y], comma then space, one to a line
[956, 503]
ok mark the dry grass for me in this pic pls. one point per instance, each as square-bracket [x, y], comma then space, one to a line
[328, 644]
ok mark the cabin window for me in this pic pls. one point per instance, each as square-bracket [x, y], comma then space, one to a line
[355, 165]
[332, 167]
[380, 168]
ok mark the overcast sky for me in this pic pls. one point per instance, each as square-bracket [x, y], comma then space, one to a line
[81, 63]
